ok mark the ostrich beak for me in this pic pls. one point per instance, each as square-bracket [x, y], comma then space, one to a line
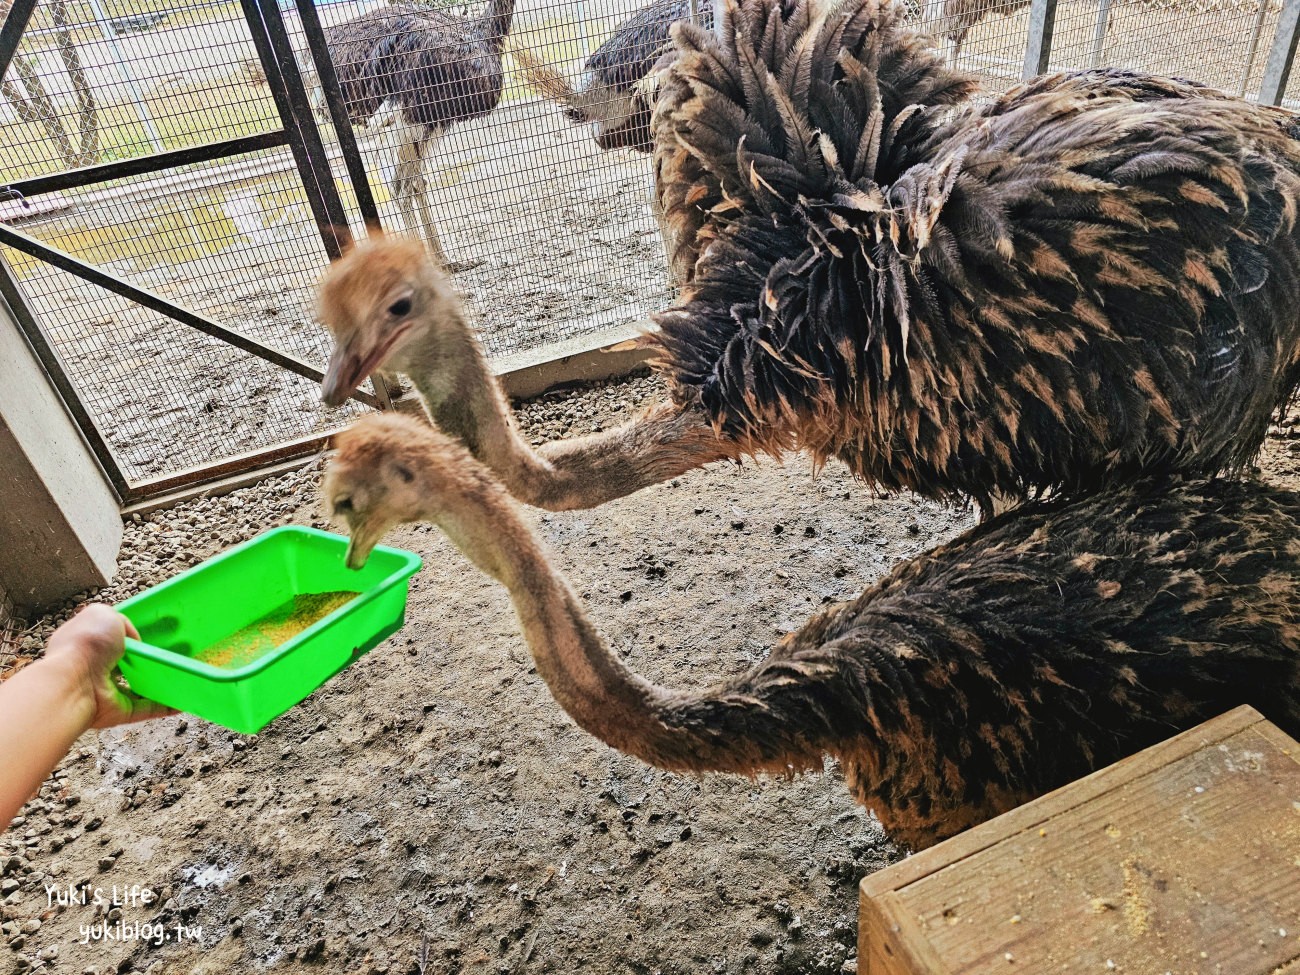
[342, 376]
[364, 532]
[358, 551]
[350, 366]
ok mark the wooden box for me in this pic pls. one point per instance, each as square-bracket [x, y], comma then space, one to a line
[1183, 859]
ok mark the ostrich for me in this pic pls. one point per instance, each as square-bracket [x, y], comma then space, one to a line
[1030, 651]
[435, 69]
[1090, 277]
[613, 95]
[610, 95]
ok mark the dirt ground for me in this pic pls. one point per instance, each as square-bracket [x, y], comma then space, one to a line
[435, 788]
[434, 797]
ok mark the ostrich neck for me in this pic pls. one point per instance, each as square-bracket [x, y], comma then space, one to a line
[465, 400]
[593, 686]
[745, 726]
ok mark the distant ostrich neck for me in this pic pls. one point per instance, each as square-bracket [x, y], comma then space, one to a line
[465, 400]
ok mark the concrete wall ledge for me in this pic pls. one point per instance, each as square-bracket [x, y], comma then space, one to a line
[60, 525]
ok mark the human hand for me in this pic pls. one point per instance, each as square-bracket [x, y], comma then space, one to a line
[87, 648]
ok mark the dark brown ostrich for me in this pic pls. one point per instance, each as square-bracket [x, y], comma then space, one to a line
[612, 95]
[1038, 647]
[1091, 277]
[609, 95]
[436, 69]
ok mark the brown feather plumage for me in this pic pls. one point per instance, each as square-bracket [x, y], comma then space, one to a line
[1086, 278]
[1038, 647]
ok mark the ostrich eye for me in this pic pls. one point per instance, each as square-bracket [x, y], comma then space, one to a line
[404, 473]
[343, 504]
[400, 307]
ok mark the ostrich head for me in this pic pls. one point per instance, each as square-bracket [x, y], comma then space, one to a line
[389, 469]
[376, 479]
[384, 302]
[619, 119]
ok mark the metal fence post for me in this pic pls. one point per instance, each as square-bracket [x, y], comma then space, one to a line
[1099, 32]
[281, 67]
[328, 79]
[1038, 46]
[1277, 69]
[1253, 48]
[12, 31]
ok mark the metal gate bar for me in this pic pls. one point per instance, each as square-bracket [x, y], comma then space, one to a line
[231, 466]
[329, 81]
[282, 76]
[144, 165]
[12, 31]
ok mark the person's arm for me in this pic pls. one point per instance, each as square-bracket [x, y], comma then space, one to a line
[47, 705]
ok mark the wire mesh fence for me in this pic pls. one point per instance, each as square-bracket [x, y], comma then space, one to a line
[8, 632]
[234, 240]
[550, 235]
[1219, 42]
[499, 130]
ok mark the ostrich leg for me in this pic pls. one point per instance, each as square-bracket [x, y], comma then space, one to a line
[414, 144]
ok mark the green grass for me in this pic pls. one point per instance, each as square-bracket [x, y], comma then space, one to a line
[83, 28]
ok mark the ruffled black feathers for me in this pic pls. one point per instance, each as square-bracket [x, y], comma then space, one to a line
[1090, 276]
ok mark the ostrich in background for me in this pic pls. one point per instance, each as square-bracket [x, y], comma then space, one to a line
[610, 94]
[433, 69]
[613, 95]
[1026, 653]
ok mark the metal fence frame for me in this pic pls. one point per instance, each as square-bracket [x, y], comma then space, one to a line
[300, 133]
[1277, 69]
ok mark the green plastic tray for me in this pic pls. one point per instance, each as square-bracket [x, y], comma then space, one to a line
[209, 602]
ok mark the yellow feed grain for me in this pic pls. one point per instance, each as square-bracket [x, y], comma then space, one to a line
[277, 627]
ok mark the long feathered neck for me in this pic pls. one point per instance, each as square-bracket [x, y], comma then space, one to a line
[452, 374]
[778, 718]
[496, 21]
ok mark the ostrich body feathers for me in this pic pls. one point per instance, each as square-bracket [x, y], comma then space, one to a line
[1091, 276]
[438, 68]
[628, 54]
[1028, 652]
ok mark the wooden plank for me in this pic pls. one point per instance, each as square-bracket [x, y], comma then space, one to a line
[1035, 814]
[1182, 858]
[888, 941]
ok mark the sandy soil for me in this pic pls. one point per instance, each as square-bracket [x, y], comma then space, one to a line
[434, 795]
[435, 788]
